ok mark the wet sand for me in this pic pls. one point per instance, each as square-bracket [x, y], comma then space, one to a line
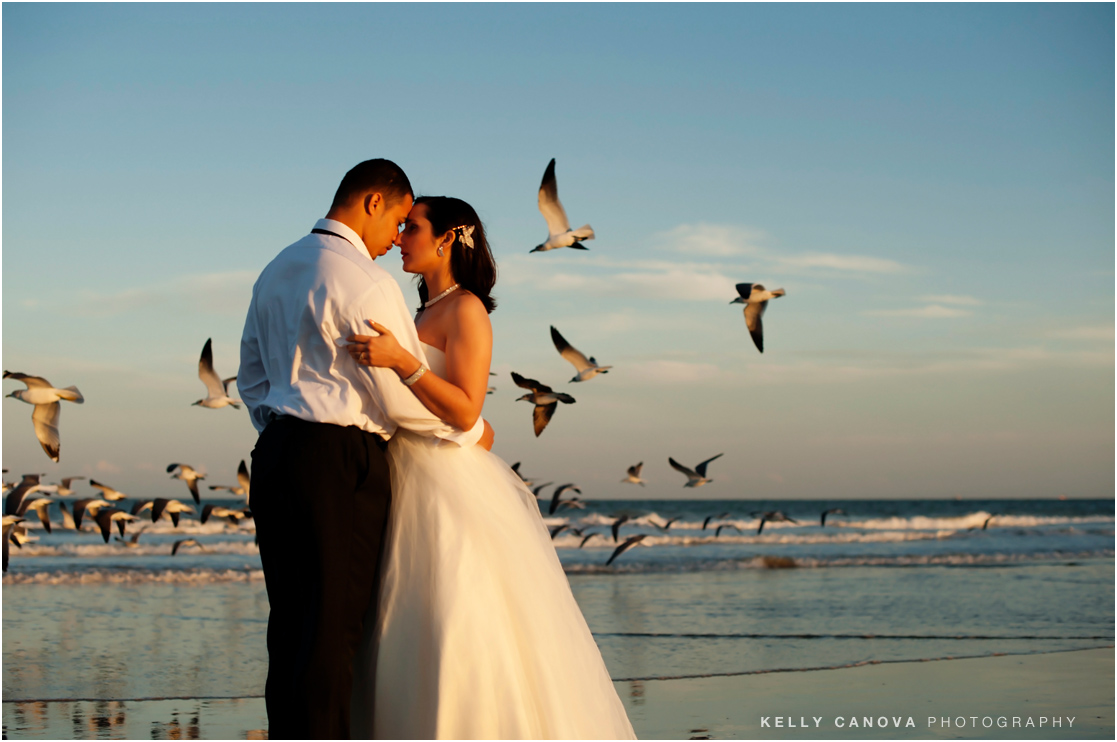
[1038, 687]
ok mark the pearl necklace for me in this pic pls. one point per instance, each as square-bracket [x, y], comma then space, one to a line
[441, 296]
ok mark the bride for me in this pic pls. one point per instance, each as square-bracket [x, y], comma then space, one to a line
[478, 634]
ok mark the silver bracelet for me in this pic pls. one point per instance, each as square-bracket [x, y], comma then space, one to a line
[417, 375]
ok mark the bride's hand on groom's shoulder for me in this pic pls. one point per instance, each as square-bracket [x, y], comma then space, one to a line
[382, 351]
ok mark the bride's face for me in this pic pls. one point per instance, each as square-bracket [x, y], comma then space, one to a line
[418, 245]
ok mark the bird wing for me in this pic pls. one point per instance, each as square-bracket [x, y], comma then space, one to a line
[209, 377]
[701, 468]
[539, 489]
[525, 383]
[66, 481]
[745, 290]
[243, 477]
[634, 471]
[679, 467]
[549, 204]
[45, 418]
[225, 384]
[632, 541]
[193, 485]
[753, 312]
[207, 511]
[572, 355]
[542, 415]
[30, 381]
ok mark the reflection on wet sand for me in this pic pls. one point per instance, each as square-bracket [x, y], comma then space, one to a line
[226, 718]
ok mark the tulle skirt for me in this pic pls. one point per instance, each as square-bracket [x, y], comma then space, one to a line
[477, 634]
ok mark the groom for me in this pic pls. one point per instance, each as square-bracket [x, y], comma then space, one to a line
[320, 482]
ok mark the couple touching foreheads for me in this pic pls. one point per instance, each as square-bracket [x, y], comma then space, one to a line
[414, 589]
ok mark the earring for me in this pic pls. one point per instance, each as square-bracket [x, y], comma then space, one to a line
[440, 253]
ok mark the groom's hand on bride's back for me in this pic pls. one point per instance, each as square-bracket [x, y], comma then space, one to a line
[487, 437]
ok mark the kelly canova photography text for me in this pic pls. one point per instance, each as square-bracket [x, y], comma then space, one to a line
[586, 371]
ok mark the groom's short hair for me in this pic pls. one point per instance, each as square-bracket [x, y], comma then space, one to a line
[373, 176]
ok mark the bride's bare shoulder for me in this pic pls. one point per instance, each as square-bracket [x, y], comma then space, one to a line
[468, 310]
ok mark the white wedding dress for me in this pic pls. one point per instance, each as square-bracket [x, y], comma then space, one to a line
[477, 635]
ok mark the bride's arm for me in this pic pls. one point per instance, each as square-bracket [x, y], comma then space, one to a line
[459, 397]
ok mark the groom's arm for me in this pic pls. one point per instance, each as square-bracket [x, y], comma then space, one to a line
[385, 304]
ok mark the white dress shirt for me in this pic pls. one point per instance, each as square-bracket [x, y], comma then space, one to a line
[312, 296]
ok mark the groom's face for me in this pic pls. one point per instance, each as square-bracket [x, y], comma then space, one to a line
[384, 224]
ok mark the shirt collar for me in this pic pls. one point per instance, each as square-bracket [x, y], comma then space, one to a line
[344, 230]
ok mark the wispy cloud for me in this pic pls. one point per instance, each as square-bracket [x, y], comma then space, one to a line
[931, 311]
[720, 240]
[673, 372]
[965, 301]
[1091, 332]
[212, 293]
[712, 239]
[869, 365]
[833, 261]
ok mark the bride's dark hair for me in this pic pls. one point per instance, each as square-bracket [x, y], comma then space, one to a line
[472, 267]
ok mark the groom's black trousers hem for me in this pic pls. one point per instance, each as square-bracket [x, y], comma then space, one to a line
[320, 498]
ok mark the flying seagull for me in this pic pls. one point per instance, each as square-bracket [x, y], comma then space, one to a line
[772, 516]
[528, 481]
[44, 397]
[189, 475]
[90, 504]
[543, 397]
[713, 517]
[616, 527]
[755, 298]
[171, 507]
[107, 492]
[587, 368]
[628, 544]
[29, 484]
[725, 525]
[64, 488]
[830, 511]
[558, 493]
[665, 526]
[234, 516]
[244, 482]
[217, 389]
[559, 233]
[10, 522]
[185, 542]
[697, 477]
[634, 475]
[107, 516]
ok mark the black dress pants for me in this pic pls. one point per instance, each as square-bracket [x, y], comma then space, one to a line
[320, 498]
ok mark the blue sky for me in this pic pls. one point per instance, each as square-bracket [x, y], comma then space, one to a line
[933, 185]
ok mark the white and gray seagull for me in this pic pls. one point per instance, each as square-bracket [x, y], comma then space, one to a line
[587, 368]
[217, 389]
[189, 475]
[559, 233]
[634, 475]
[697, 476]
[755, 298]
[44, 397]
[107, 492]
[244, 482]
[543, 397]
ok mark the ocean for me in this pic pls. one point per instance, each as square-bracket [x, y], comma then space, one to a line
[883, 581]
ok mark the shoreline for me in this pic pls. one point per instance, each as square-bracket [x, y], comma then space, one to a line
[1032, 686]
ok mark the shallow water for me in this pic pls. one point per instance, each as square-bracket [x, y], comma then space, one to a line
[101, 627]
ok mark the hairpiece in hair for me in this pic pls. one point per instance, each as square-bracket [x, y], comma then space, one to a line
[465, 234]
